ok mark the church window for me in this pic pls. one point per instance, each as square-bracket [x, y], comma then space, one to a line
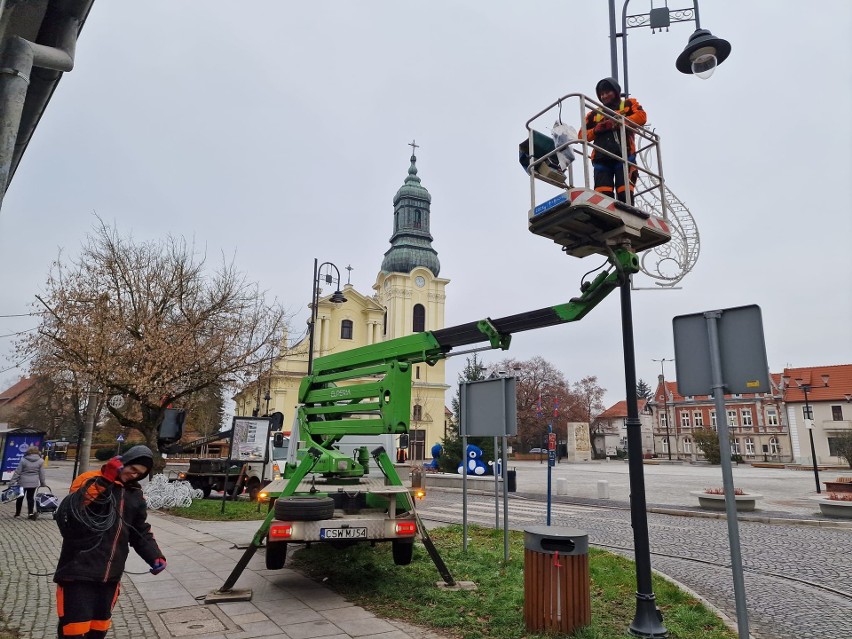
[419, 323]
[346, 329]
[385, 323]
[417, 412]
[418, 218]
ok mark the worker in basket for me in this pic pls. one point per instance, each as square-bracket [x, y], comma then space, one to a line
[605, 131]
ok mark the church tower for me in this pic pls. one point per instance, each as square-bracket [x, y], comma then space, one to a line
[412, 294]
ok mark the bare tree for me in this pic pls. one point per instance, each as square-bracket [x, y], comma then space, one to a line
[147, 322]
[543, 398]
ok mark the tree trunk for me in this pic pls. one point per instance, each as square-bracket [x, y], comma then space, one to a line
[85, 450]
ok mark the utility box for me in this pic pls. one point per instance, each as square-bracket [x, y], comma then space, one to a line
[557, 597]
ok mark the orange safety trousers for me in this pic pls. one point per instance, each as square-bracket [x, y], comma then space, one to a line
[85, 608]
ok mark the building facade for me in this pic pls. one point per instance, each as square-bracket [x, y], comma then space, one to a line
[408, 297]
[610, 429]
[825, 416]
[758, 429]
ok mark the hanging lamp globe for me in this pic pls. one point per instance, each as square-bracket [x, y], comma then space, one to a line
[703, 53]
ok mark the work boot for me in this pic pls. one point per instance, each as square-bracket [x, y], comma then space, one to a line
[31, 516]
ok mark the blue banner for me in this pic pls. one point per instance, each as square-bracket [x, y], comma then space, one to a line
[15, 449]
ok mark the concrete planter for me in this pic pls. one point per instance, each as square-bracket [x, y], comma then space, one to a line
[834, 508]
[709, 501]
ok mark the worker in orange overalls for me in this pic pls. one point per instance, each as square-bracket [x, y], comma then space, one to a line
[102, 516]
[605, 131]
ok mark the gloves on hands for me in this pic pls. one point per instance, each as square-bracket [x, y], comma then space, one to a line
[111, 469]
[604, 125]
[158, 566]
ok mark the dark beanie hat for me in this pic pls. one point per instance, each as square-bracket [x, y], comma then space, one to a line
[607, 83]
[141, 455]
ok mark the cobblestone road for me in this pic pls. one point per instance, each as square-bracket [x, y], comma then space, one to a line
[28, 556]
[790, 570]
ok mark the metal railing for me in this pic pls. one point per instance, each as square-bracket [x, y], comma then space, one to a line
[667, 263]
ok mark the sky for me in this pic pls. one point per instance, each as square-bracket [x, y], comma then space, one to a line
[278, 133]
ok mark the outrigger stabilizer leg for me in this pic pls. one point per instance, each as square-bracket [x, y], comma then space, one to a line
[226, 592]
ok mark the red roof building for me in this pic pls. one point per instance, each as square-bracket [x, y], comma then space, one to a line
[609, 430]
[758, 430]
[818, 402]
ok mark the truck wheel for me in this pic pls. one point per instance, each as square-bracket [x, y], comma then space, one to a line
[206, 490]
[403, 551]
[276, 554]
[302, 508]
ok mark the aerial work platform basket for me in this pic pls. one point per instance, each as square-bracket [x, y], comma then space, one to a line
[575, 216]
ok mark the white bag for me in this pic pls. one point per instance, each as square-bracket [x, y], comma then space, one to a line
[562, 134]
[11, 493]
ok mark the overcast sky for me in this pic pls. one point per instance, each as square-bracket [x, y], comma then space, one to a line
[276, 132]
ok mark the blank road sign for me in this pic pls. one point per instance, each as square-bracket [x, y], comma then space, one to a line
[742, 350]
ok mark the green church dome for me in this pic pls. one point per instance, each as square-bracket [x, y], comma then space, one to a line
[411, 242]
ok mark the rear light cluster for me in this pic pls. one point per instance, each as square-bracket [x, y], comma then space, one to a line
[406, 528]
[280, 531]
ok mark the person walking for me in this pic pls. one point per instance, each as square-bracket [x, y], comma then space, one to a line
[101, 518]
[605, 131]
[29, 475]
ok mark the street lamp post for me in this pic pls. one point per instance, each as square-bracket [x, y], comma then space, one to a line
[665, 401]
[337, 298]
[700, 57]
[809, 419]
[702, 54]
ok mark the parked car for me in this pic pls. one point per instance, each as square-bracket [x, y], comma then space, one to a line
[537, 451]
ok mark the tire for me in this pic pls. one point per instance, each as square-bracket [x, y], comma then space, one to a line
[206, 490]
[403, 551]
[299, 508]
[276, 554]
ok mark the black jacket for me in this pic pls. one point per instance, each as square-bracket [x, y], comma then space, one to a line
[89, 554]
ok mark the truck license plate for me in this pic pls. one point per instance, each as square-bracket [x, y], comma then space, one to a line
[343, 533]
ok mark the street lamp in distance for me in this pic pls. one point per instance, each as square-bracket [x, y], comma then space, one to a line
[809, 418]
[336, 298]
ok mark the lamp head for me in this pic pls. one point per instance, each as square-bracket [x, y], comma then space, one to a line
[337, 298]
[703, 53]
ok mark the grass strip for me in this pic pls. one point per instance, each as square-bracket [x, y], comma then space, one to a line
[211, 510]
[368, 577]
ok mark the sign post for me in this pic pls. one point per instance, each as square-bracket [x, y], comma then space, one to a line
[119, 441]
[719, 352]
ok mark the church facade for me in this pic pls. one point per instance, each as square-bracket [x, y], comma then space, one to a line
[408, 297]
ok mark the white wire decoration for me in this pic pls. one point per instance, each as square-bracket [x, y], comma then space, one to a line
[161, 493]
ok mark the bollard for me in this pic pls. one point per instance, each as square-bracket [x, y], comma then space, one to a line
[603, 489]
[557, 595]
[561, 486]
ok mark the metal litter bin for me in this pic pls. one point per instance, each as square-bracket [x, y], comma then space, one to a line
[511, 480]
[557, 597]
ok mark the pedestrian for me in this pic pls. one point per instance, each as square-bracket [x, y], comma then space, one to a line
[605, 131]
[102, 516]
[29, 475]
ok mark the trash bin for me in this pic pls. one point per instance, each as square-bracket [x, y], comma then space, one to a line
[557, 597]
[512, 480]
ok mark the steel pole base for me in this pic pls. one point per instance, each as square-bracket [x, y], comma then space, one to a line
[648, 621]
